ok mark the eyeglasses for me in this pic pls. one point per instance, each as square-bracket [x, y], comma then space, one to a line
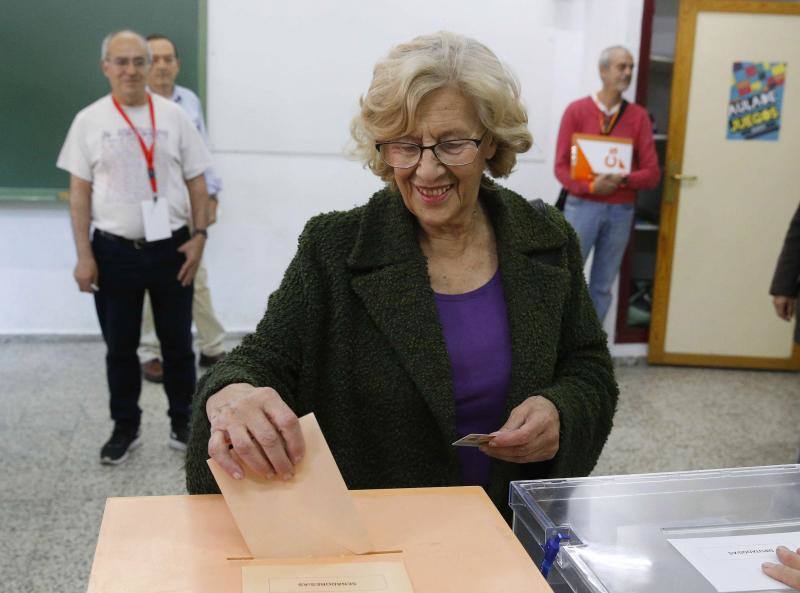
[453, 153]
[123, 62]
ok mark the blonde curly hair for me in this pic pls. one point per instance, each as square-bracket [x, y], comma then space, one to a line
[413, 70]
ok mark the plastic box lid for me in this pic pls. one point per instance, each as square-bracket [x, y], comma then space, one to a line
[619, 525]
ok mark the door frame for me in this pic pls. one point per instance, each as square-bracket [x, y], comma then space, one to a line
[679, 104]
[624, 333]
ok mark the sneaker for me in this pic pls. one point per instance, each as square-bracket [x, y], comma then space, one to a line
[207, 361]
[178, 437]
[153, 371]
[123, 440]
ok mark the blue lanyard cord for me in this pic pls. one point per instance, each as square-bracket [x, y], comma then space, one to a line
[551, 549]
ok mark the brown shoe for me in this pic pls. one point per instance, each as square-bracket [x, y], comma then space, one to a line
[153, 371]
[207, 361]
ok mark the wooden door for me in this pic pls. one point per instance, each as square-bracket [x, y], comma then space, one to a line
[730, 186]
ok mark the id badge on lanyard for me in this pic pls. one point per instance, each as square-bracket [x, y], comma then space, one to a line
[155, 212]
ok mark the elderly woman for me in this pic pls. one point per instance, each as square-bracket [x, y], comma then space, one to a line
[445, 305]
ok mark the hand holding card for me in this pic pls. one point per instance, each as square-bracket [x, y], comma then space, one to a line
[530, 434]
[473, 440]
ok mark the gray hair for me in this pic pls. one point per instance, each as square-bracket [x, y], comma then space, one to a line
[413, 70]
[110, 36]
[605, 55]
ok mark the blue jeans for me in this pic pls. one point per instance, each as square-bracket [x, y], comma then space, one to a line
[606, 227]
[125, 272]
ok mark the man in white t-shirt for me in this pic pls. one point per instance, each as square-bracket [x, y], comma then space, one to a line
[133, 157]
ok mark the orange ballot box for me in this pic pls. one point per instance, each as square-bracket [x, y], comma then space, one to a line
[310, 534]
[592, 155]
[450, 540]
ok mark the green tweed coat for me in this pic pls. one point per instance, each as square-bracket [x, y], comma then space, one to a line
[352, 334]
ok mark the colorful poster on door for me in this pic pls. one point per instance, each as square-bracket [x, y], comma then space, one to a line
[754, 109]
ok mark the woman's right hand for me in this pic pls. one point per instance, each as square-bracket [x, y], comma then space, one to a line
[258, 425]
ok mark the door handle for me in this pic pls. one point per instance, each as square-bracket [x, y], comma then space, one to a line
[681, 177]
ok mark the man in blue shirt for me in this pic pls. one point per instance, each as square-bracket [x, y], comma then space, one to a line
[210, 333]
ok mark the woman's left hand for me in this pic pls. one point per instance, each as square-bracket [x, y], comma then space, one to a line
[530, 434]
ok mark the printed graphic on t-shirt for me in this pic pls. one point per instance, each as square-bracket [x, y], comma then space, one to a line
[122, 156]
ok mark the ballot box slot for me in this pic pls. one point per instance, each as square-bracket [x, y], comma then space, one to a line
[723, 529]
[246, 559]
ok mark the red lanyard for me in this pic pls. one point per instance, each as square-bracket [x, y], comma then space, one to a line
[148, 152]
[607, 125]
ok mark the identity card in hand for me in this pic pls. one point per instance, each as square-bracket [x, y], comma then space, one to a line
[473, 440]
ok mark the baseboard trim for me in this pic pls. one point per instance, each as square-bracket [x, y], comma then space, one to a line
[45, 338]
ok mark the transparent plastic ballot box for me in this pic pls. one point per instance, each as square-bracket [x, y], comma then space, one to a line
[614, 529]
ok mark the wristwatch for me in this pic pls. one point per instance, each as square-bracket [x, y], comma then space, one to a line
[203, 232]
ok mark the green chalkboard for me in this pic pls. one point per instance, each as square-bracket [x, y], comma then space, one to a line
[50, 70]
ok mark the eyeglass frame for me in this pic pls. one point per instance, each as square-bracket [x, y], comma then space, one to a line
[432, 148]
[123, 62]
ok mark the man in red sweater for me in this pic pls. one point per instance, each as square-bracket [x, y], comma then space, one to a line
[601, 210]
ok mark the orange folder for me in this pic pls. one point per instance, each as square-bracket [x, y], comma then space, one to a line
[592, 155]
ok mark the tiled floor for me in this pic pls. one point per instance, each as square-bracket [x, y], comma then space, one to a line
[54, 419]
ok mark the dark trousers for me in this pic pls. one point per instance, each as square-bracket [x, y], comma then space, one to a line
[125, 272]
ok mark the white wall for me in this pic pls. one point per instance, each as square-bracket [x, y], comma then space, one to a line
[283, 83]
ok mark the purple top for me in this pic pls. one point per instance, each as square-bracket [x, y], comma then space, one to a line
[475, 328]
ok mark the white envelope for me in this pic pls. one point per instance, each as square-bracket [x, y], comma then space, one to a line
[310, 515]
